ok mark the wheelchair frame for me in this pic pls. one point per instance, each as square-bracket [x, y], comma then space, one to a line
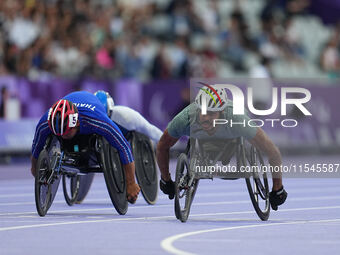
[54, 162]
[186, 181]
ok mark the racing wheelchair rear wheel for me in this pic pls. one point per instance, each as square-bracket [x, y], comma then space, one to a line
[185, 188]
[146, 171]
[114, 175]
[85, 182]
[257, 181]
[71, 186]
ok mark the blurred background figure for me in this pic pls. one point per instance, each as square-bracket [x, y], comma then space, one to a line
[166, 39]
[3, 102]
[260, 81]
[144, 52]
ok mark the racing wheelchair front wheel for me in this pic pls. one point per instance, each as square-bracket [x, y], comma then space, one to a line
[256, 180]
[46, 183]
[146, 171]
[185, 188]
[114, 175]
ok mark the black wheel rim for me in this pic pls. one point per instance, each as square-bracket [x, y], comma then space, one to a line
[146, 171]
[184, 193]
[71, 187]
[257, 183]
[117, 172]
[44, 186]
[148, 163]
[109, 158]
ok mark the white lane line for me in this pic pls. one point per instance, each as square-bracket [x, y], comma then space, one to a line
[160, 198]
[167, 243]
[153, 206]
[155, 218]
[133, 207]
[200, 192]
[55, 202]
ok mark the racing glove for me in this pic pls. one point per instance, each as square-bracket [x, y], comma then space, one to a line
[277, 198]
[168, 188]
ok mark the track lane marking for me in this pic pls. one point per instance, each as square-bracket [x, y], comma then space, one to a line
[156, 218]
[154, 206]
[167, 243]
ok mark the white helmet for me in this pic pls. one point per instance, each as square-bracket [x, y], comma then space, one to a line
[214, 96]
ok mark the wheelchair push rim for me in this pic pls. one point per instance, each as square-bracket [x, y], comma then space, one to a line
[257, 182]
[184, 191]
[114, 176]
[46, 184]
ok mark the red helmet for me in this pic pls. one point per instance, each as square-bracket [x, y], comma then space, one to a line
[62, 117]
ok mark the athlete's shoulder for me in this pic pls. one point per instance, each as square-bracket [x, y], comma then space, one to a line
[79, 94]
[86, 102]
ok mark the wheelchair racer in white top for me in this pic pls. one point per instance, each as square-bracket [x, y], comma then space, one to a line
[128, 119]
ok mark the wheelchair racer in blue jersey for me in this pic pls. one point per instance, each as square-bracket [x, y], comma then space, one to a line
[82, 113]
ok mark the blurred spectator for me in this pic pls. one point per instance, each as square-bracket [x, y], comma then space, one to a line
[330, 56]
[3, 102]
[22, 31]
[237, 40]
[130, 62]
[185, 101]
[292, 40]
[161, 65]
[210, 17]
[105, 55]
[260, 82]
[178, 58]
[121, 38]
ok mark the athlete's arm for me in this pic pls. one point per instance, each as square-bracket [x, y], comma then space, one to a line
[262, 142]
[42, 131]
[178, 127]
[162, 154]
[109, 130]
[133, 120]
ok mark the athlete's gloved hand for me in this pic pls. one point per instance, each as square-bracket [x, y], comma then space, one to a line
[277, 198]
[168, 187]
[132, 191]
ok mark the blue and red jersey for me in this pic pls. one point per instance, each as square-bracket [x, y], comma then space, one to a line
[92, 120]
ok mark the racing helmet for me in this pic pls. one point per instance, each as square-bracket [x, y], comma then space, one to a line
[105, 98]
[62, 117]
[215, 97]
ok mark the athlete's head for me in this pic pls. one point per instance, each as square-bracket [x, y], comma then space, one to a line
[214, 99]
[105, 98]
[63, 119]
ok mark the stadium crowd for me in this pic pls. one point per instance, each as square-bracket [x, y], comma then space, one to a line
[151, 39]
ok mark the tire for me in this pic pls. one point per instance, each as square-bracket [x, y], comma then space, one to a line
[183, 200]
[85, 182]
[146, 171]
[71, 185]
[114, 176]
[257, 183]
[44, 189]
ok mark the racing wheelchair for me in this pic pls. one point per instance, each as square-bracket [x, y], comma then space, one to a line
[198, 153]
[75, 161]
[146, 171]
